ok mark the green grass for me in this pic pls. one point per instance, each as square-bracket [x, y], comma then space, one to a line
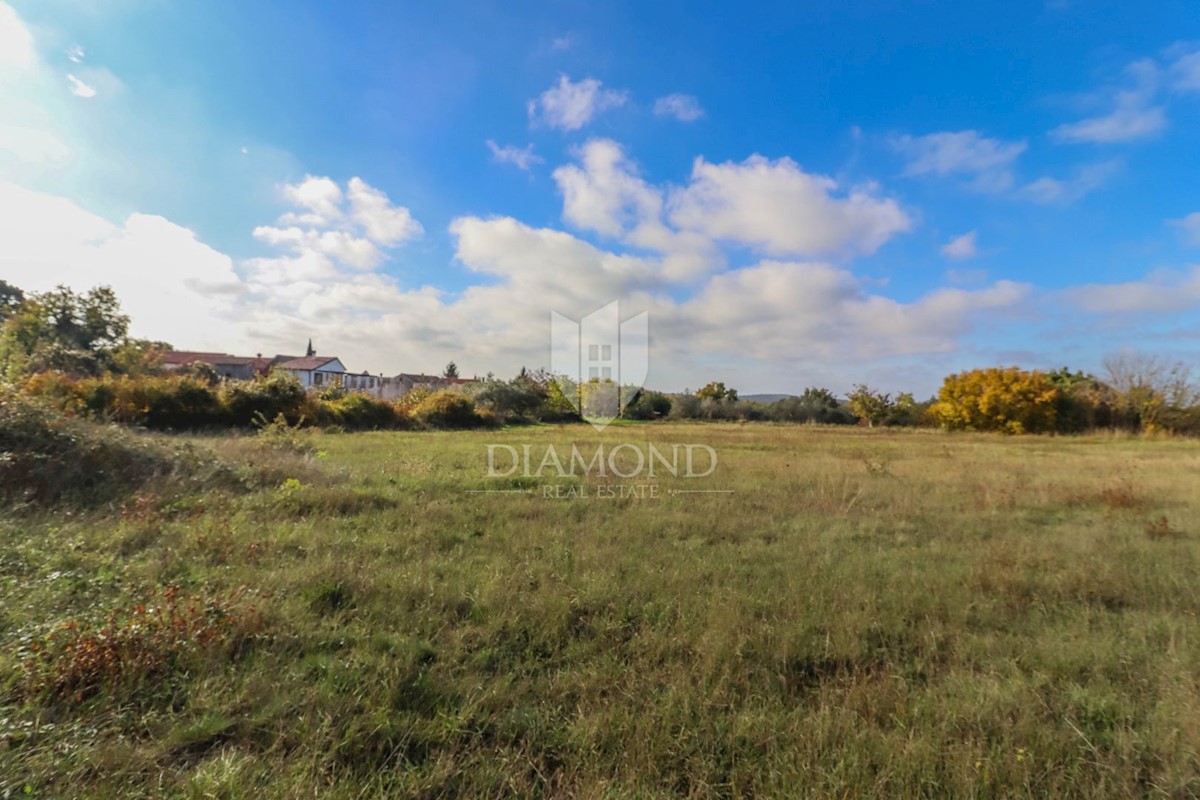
[869, 613]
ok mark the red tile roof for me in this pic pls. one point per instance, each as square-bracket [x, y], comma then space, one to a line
[184, 357]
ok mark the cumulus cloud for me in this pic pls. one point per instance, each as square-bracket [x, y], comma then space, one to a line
[570, 105]
[383, 222]
[603, 192]
[682, 107]
[1163, 292]
[987, 162]
[962, 247]
[174, 286]
[520, 157]
[320, 199]
[1189, 227]
[780, 209]
[776, 311]
[16, 42]
[348, 227]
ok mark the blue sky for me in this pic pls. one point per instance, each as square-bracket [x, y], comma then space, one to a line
[877, 191]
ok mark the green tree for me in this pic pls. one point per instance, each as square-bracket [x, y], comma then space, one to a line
[717, 391]
[451, 371]
[63, 330]
[869, 404]
[11, 299]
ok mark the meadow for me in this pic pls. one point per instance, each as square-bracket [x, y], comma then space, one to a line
[856, 613]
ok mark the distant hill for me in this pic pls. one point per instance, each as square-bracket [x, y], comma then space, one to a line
[764, 398]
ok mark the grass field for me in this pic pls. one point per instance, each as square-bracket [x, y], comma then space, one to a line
[868, 613]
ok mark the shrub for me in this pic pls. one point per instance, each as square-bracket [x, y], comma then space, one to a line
[508, 399]
[159, 403]
[47, 458]
[358, 411]
[1005, 399]
[648, 405]
[280, 393]
[447, 410]
[814, 405]
[134, 649]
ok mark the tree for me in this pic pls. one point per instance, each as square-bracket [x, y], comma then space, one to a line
[520, 397]
[63, 330]
[813, 405]
[451, 371]
[1006, 399]
[1151, 392]
[11, 299]
[648, 405]
[717, 391]
[869, 404]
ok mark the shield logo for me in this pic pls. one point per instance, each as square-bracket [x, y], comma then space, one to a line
[599, 362]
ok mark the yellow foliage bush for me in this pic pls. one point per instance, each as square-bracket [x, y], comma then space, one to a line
[1005, 399]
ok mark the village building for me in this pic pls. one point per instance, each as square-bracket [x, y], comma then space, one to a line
[312, 371]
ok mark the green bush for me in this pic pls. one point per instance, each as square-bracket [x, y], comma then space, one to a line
[280, 393]
[648, 405]
[357, 411]
[47, 458]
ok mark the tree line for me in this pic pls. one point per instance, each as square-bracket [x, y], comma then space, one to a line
[74, 349]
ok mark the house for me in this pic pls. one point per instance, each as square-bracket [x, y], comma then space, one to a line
[237, 368]
[314, 372]
[396, 387]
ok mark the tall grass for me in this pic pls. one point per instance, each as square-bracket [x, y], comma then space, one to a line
[867, 614]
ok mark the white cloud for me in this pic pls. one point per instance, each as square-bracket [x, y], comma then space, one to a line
[787, 311]
[1189, 226]
[320, 197]
[1135, 113]
[520, 157]
[962, 247]
[16, 42]
[604, 193]
[76, 54]
[352, 251]
[79, 88]
[682, 107]
[988, 162]
[174, 286]
[383, 222]
[563, 42]
[1085, 180]
[1160, 293]
[569, 106]
[778, 208]
[33, 145]
[348, 227]
[1185, 70]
